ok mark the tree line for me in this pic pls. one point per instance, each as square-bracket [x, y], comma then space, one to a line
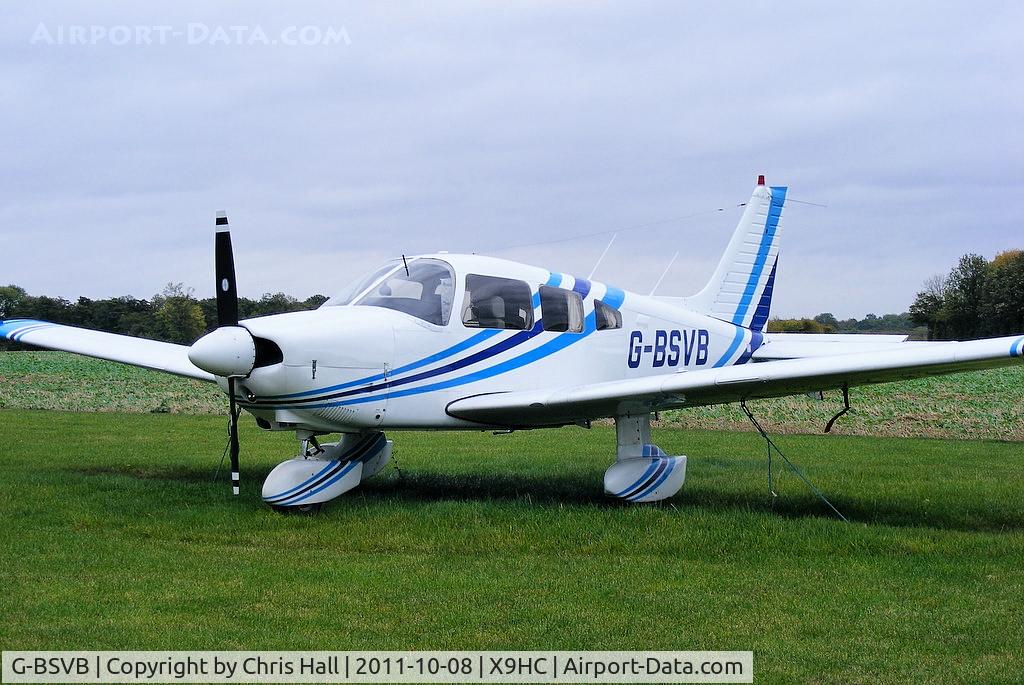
[828, 323]
[175, 315]
[978, 298]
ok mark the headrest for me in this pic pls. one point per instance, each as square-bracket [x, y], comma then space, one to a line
[491, 308]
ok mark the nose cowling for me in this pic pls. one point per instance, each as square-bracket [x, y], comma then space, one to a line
[228, 351]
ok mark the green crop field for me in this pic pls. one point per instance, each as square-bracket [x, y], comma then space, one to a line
[115, 537]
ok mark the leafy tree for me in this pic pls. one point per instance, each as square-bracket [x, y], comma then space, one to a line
[12, 302]
[277, 303]
[965, 294]
[977, 299]
[178, 317]
[314, 301]
[1003, 305]
[827, 319]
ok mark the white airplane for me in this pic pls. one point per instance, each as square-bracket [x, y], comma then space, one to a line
[466, 342]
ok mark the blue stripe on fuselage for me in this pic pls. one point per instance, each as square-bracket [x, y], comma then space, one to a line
[438, 356]
[613, 297]
[502, 346]
[582, 286]
[737, 340]
[548, 348]
[756, 338]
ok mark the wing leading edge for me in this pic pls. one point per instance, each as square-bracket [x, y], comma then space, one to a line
[150, 354]
[557, 406]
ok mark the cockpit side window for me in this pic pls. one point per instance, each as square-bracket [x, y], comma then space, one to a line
[493, 302]
[561, 310]
[426, 291]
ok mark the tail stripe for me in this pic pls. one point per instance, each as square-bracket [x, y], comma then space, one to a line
[765, 305]
[771, 224]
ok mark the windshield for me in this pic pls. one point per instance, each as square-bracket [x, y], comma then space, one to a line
[358, 286]
[425, 291]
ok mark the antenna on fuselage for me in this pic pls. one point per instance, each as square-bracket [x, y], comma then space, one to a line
[406, 265]
[601, 258]
[664, 273]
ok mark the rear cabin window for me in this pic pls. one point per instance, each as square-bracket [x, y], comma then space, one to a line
[608, 318]
[497, 303]
[561, 310]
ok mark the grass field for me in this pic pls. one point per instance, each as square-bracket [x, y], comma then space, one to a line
[115, 538]
[986, 405]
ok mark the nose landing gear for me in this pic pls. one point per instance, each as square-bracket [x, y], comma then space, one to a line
[323, 472]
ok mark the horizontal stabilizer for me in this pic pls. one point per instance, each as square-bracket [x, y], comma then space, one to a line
[803, 345]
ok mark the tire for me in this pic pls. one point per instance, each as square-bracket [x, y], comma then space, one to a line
[299, 510]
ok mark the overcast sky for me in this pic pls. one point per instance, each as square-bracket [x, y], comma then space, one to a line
[478, 126]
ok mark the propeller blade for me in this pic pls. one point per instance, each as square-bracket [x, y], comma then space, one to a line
[233, 435]
[227, 294]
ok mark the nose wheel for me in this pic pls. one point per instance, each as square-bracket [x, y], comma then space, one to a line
[322, 472]
[300, 510]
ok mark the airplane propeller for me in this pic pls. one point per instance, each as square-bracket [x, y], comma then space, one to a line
[228, 351]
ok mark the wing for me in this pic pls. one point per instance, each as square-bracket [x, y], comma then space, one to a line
[150, 354]
[558, 406]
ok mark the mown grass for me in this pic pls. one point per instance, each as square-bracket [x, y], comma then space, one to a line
[114, 537]
[984, 405]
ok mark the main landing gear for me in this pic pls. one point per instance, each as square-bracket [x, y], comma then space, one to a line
[322, 472]
[642, 472]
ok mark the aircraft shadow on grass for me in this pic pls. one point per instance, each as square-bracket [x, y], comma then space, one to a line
[545, 491]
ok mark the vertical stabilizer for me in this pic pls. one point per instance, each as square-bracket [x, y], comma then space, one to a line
[740, 291]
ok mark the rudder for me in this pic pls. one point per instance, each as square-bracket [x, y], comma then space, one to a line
[740, 291]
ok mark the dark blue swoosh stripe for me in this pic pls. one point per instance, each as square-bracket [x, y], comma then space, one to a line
[671, 465]
[356, 454]
[643, 477]
[765, 304]
[350, 465]
[550, 347]
[437, 356]
[496, 349]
